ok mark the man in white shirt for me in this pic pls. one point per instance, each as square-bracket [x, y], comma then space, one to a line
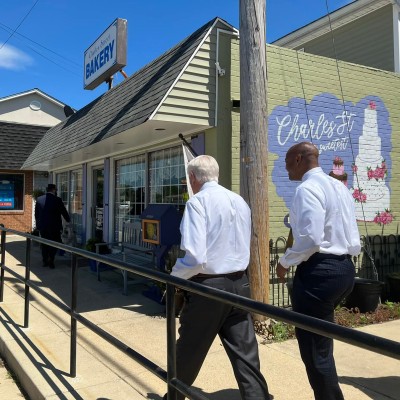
[325, 232]
[215, 230]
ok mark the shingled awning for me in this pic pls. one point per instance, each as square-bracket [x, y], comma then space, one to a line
[126, 106]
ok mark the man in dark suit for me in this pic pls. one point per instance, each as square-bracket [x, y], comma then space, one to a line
[48, 211]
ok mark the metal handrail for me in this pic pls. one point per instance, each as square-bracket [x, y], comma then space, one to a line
[364, 340]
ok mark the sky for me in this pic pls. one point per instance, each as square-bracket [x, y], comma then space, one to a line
[42, 42]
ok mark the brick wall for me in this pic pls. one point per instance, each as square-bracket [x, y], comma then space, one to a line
[20, 220]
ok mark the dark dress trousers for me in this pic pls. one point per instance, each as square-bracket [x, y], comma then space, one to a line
[319, 285]
[48, 211]
[235, 329]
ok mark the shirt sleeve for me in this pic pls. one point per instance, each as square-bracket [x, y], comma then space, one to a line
[307, 218]
[193, 230]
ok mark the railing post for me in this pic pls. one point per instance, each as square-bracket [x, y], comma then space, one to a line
[74, 287]
[3, 261]
[27, 277]
[171, 340]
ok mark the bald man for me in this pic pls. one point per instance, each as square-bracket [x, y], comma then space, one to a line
[322, 217]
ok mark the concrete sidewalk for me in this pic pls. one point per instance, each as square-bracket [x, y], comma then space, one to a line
[39, 355]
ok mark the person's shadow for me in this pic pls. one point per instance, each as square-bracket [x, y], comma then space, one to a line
[387, 386]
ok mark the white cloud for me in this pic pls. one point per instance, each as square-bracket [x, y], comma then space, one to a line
[14, 59]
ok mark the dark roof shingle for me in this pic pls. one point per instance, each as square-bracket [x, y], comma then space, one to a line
[125, 106]
[17, 141]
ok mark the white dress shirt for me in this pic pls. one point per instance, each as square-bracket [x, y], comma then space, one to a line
[215, 228]
[322, 218]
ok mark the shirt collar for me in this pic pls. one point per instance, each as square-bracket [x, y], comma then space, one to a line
[312, 171]
[208, 184]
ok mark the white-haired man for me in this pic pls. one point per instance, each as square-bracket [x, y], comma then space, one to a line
[215, 231]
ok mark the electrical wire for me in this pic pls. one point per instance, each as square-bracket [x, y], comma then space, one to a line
[367, 244]
[23, 19]
[21, 36]
[49, 59]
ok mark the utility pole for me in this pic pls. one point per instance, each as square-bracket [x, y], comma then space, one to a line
[253, 138]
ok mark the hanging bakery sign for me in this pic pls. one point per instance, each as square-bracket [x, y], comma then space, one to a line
[106, 56]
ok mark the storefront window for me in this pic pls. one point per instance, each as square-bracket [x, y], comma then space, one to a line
[130, 184]
[167, 177]
[11, 192]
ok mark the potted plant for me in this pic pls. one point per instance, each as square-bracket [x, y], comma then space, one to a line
[37, 193]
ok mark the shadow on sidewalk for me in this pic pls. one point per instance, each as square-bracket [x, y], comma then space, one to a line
[93, 295]
[231, 394]
[39, 360]
[387, 386]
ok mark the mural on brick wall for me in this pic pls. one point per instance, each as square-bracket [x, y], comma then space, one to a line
[354, 142]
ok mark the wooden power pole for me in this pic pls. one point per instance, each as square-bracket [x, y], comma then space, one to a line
[253, 137]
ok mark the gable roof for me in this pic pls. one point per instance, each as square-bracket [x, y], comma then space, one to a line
[17, 142]
[336, 19]
[33, 91]
[125, 106]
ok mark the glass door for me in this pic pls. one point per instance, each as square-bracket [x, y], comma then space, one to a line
[97, 208]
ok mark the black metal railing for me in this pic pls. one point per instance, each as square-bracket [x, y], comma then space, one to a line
[380, 256]
[357, 338]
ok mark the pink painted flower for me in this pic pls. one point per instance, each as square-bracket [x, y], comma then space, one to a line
[372, 105]
[384, 217]
[354, 168]
[378, 172]
[359, 196]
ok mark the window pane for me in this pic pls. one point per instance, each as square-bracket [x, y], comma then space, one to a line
[129, 191]
[62, 187]
[167, 177]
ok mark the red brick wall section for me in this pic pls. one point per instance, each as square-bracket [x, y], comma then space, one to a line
[20, 220]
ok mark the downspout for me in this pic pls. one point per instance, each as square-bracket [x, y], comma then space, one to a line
[396, 35]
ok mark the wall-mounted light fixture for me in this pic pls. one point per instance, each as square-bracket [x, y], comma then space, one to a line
[220, 71]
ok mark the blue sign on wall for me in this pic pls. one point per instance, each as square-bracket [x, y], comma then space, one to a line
[7, 200]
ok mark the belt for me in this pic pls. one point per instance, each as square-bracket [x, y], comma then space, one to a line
[323, 256]
[232, 275]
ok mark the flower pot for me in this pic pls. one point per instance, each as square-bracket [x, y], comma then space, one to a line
[394, 286]
[365, 295]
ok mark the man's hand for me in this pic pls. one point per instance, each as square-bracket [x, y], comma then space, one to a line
[281, 273]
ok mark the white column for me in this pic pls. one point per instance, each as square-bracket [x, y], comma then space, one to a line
[396, 35]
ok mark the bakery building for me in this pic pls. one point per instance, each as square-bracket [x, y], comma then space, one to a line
[122, 152]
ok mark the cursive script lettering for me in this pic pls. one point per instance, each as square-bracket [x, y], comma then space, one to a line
[290, 128]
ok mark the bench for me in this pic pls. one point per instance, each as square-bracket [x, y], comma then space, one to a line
[131, 249]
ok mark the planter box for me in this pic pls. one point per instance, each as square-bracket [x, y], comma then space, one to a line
[365, 295]
[394, 286]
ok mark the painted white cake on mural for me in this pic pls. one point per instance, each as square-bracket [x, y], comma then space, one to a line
[370, 191]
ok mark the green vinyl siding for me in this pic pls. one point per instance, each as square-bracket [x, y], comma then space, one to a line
[193, 96]
[365, 41]
[296, 74]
